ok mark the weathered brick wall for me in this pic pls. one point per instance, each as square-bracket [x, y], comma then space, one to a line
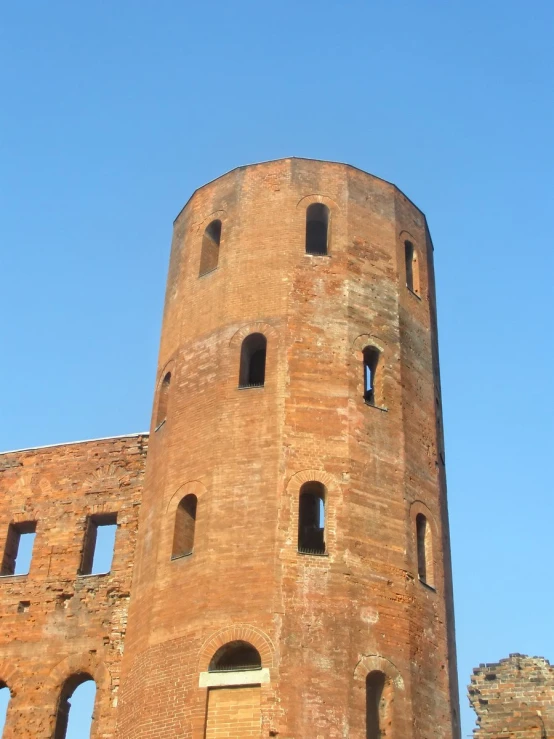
[322, 624]
[233, 712]
[513, 698]
[72, 623]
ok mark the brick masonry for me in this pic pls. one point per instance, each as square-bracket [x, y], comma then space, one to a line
[321, 624]
[513, 698]
[233, 712]
[72, 623]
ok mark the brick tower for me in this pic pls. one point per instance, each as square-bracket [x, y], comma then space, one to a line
[292, 576]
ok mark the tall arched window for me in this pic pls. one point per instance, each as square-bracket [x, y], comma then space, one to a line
[424, 550]
[163, 397]
[185, 523]
[75, 707]
[252, 361]
[317, 229]
[311, 518]
[5, 696]
[376, 705]
[412, 267]
[235, 655]
[209, 255]
[371, 360]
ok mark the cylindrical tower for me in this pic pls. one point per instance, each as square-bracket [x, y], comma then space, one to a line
[293, 568]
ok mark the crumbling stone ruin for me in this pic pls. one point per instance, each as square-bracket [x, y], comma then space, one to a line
[513, 698]
[281, 565]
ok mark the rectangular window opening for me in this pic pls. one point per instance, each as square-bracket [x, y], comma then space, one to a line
[99, 544]
[19, 548]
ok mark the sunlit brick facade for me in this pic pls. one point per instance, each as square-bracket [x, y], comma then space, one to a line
[291, 576]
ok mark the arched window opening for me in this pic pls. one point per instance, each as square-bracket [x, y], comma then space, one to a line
[75, 707]
[412, 267]
[5, 696]
[236, 655]
[185, 523]
[311, 518]
[375, 705]
[317, 229]
[209, 255]
[163, 397]
[371, 360]
[424, 550]
[252, 361]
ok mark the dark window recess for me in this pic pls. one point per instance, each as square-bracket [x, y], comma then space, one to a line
[374, 688]
[422, 534]
[252, 361]
[99, 544]
[311, 519]
[235, 655]
[209, 256]
[75, 692]
[412, 267]
[23, 606]
[18, 551]
[163, 397]
[371, 360]
[440, 431]
[185, 523]
[317, 229]
[409, 254]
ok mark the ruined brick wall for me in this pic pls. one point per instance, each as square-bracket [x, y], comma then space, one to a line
[322, 624]
[68, 624]
[513, 698]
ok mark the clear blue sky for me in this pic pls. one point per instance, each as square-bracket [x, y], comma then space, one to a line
[113, 112]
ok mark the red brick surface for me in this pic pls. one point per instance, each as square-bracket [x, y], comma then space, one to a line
[321, 624]
[233, 712]
[513, 698]
[72, 624]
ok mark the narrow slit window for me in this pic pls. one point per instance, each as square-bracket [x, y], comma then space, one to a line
[235, 655]
[18, 551]
[317, 229]
[412, 267]
[311, 518]
[371, 360]
[424, 550]
[74, 714]
[209, 256]
[252, 361]
[5, 696]
[163, 398]
[99, 544]
[440, 431]
[375, 705]
[185, 524]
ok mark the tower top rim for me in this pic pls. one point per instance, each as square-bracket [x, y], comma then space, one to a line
[302, 159]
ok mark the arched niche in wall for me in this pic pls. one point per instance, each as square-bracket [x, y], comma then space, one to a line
[411, 263]
[164, 387]
[237, 362]
[371, 364]
[377, 684]
[424, 544]
[184, 512]
[317, 484]
[319, 225]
